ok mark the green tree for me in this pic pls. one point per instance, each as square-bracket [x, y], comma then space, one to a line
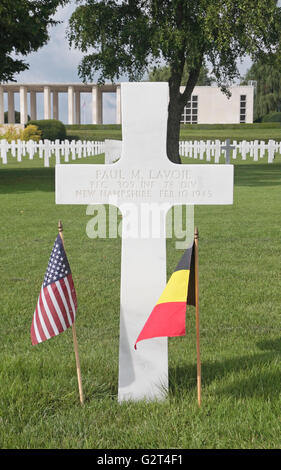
[163, 74]
[268, 92]
[126, 37]
[23, 29]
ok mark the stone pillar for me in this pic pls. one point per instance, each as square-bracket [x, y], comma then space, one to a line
[96, 105]
[70, 105]
[11, 107]
[1, 105]
[23, 105]
[33, 105]
[55, 104]
[77, 107]
[47, 102]
[118, 105]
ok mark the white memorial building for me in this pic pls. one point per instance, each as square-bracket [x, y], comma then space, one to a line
[208, 105]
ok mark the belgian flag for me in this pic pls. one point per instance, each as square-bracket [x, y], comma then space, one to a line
[168, 316]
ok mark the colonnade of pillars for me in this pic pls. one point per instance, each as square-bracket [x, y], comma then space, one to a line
[51, 104]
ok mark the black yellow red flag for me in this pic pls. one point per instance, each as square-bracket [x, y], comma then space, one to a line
[168, 316]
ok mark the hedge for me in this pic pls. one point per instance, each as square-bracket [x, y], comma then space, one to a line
[261, 125]
[272, 117]
[51, 128]
[17, 117]
[93, 127]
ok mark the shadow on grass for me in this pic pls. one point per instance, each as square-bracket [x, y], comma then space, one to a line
[270, 345]
[25, 180]
[261, 379]
[257, 175]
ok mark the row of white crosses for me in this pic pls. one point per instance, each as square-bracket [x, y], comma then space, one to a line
[215, 151]
[46, 148]
[113, 149]
[143, 176]
[255, 149]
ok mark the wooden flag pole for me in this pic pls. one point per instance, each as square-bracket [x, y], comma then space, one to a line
[196, 238]
[78, 368]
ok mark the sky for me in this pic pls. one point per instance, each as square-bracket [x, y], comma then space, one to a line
[57, 63]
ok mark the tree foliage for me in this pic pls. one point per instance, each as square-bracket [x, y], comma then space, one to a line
[163, 74]
[23, 29]
[268, 92]
[126, 37]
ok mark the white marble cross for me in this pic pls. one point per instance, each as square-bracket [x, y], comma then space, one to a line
[144, 181]
[227, 147]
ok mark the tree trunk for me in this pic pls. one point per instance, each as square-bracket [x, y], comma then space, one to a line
[177, 103]
[173, 130]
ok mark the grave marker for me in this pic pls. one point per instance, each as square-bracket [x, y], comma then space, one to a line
[227, 147]
[145, 182]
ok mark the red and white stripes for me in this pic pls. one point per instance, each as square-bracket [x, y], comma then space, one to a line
[55, 310]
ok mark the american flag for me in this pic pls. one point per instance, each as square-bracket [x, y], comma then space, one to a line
[56, 307]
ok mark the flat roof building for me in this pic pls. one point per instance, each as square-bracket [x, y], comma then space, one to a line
[209, 105]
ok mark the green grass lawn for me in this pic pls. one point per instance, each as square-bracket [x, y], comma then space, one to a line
[264, 131]
[94, 132]
[240, 276]
[233, 134]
